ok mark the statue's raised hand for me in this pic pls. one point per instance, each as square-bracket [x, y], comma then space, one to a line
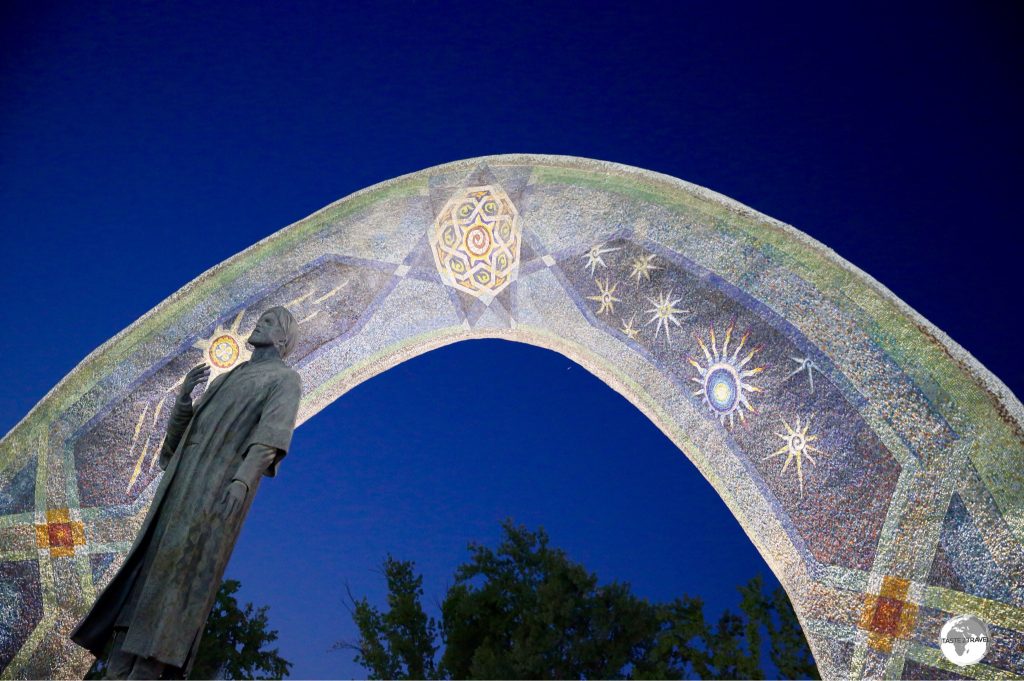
[197, 374]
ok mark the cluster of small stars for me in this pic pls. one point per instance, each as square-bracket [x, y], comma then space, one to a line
[664, 311]
[726, 379]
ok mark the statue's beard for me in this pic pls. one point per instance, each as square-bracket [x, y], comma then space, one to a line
[279, 346]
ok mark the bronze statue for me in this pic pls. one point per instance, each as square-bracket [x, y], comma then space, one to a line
[214, 455]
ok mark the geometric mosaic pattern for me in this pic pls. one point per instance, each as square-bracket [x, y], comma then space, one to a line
[475, 241]
[872, 461]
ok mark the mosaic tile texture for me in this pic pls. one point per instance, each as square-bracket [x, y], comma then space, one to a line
[872, 461]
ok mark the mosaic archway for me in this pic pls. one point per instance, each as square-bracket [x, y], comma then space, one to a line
[873, 462]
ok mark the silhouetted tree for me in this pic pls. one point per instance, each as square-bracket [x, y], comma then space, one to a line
[527, 611]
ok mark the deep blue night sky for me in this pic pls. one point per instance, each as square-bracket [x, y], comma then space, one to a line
[142, 144]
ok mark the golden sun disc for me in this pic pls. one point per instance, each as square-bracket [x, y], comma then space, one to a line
[223, 351]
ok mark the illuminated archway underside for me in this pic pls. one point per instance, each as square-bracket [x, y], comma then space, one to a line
[872, 461]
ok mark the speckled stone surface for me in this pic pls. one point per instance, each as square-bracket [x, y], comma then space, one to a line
[872, 461]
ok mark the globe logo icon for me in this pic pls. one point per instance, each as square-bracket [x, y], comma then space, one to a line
[964, 640]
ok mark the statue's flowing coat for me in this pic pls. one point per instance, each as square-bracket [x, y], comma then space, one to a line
[167, 585]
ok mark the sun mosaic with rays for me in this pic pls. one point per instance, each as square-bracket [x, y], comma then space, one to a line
[798, 446]
[725, 381]
[225, 349]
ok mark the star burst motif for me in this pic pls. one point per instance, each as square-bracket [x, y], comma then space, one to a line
[804, 363]
[664, 311]
[798, 445]
[606, 298]
[593, 256]
[629, 329]
[725, 381]
[642, 267]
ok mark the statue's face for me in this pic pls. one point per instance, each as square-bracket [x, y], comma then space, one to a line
[267, 332]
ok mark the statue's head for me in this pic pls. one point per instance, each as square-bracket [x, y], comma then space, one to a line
[276, 327]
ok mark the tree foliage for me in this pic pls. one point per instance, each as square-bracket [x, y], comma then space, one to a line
[398, 644]
[525, 611]
[232, 643]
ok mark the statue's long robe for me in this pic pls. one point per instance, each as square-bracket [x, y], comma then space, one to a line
[167, 585]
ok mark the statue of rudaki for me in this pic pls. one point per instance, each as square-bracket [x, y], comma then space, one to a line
[214, 455]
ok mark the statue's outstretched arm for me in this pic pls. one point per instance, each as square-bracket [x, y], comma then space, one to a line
[180, 417]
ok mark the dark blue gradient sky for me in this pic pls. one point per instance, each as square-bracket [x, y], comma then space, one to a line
[141, 144]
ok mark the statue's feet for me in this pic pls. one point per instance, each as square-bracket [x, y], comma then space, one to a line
[146, 668]
[119, 663]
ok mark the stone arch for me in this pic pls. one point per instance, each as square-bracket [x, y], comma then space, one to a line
[869, 458]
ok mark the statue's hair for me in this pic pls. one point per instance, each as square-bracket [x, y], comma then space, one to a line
[291, 329]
